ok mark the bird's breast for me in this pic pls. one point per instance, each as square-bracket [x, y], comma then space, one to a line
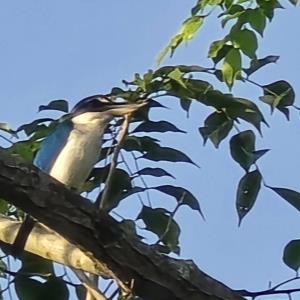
[78, 156]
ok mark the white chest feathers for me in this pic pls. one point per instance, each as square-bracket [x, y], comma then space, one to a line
[78, 156]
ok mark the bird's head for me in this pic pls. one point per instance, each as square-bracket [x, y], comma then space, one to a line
[100, 108]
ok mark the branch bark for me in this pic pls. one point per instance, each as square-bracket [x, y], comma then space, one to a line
[47, 243]
[118, 253]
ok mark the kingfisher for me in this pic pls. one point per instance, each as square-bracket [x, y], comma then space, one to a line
[70, 152]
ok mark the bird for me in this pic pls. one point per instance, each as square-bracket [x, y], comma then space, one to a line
[70, 152]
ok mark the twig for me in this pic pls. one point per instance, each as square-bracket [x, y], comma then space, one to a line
[285, 282]
[131, 174]
[113, 295]
[6, 139]
[271, 291]
[172, 214]
[89, 285]
[9, 280]
[108, 286]
[123, 132]
[142, 179]
[25, 274]
[246, 293]
[253, 82]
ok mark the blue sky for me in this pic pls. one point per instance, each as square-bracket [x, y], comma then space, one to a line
[73, 49]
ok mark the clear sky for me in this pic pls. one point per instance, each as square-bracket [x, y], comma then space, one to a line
[75, 48]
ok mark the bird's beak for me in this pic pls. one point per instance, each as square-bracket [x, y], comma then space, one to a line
[121, 109]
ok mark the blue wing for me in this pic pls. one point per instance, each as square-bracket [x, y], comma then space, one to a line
[51, 146]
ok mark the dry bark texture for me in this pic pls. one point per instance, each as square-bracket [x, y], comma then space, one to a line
[118, 253]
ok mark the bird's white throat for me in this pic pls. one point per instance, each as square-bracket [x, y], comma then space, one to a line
[80, 153]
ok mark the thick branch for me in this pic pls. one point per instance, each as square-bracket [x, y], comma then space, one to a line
[48, 244]
[147, 273]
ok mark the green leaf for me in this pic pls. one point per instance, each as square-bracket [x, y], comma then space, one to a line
[3, 206]
[247, 192]
[24, 149]
[268, 7]
[185, 105]
[294, 2]
[97, 176]
[218, 50]
[216, 128]
[231, 68]
[232, 10]
[285, 111]
[140, 82]
[41, 131]
[140, 143]
[272, 100]
[183, 196]
[154, 104]
[196, 8]
[217, 99]
[282, 91]
[198, 89]
[259, 153]
[33, 126]
[291, 255]
[60, 105]
[228, 3]
[54, 288]
[157, 126]
[157, 172]
[190, 27]
[188, 30]
[132, 191]
[120, 183]
[215, 47]
[242, 146]
[168, 154]
[165, 70]
[159, 221]
[246, 110]
[291, 196]
[177, 76]
[27, 288]
[257, 20]
[32, 263]
[234, 107]
[235, 15]
[245, 40]
[256, 64]
[176, 90]
[222, 53]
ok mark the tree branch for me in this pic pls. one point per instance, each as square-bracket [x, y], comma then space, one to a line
[272, 291]
[48, 244]
[120, 254]
[103, 198]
